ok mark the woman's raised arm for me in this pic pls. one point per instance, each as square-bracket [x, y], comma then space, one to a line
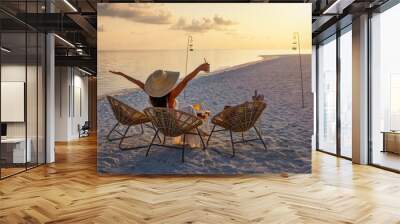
[179, 88]
[137, 82]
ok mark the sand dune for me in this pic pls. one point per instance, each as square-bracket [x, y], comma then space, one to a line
[286, 126]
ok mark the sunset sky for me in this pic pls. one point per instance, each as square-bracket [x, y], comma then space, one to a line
[134, 26]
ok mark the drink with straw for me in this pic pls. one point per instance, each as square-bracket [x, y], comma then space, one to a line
[208, 67]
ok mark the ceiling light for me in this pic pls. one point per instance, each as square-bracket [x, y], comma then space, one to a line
[79, 51]
[338, 6]
[84, 71]
[5, 50]
[64, 40]
[70, 5]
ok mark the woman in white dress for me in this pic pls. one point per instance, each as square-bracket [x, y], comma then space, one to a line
[162, 90]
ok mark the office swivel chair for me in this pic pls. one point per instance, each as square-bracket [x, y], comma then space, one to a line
[84, 130]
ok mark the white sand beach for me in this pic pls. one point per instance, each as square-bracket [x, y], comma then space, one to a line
[286, 126]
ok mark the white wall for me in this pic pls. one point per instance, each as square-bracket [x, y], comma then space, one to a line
[33, 127]
[62, 81]
[70, 84]
[79, 110]
[12, 73]
[16, 73]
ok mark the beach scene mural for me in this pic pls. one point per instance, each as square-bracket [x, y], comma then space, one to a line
[204, 88]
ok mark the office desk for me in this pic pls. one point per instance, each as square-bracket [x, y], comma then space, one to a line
[13, 150]
[391, 141]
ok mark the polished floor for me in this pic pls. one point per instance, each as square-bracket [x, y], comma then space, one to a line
[386, 159]
[70, 191]
[5, 172]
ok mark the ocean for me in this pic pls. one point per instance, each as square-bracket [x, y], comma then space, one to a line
[141, 63]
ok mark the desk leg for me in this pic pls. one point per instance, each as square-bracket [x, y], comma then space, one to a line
[384, 142]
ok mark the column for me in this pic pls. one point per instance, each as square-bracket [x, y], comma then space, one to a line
[360, 90]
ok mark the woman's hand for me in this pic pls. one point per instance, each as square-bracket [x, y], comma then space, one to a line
[179, 88]
[205, 67]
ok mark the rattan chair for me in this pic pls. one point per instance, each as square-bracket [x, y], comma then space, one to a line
[173, 123]
[127, 116]
[240, 118]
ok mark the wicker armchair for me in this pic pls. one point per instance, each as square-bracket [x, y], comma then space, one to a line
[127, 116]
[240, 118]
[173, 123]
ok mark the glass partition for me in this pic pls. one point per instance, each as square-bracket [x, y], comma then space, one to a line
[346, 92]
[334, 94]
[385, 89]
[327, 95]
[31, 98]
[22, 88]
[41, 97]
[13, 90]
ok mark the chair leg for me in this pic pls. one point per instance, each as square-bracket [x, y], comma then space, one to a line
[243, 139]
[109, 134]
[233, 144]
[259, 135]
[183, 148]
[123, 137]
[152, 127]
[210, 134]
[151, 143]
[141, 129]
[201, 138]
[159, 138]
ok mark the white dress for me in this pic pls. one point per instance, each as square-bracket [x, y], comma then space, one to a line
[191, 140]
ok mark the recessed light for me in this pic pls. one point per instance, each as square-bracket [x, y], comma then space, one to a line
[84, 71]
[337, 7]
[70, 5]
[5, 50]
[64, 40]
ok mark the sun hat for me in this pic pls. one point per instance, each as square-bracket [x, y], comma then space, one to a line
[160, 83]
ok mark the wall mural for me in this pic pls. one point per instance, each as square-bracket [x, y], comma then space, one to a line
[204, 88]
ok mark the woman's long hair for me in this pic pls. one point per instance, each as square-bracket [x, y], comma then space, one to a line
[160, 101]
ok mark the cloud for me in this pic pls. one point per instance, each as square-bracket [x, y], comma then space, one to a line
[141, 13]
[223, 22]
[203, 25]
